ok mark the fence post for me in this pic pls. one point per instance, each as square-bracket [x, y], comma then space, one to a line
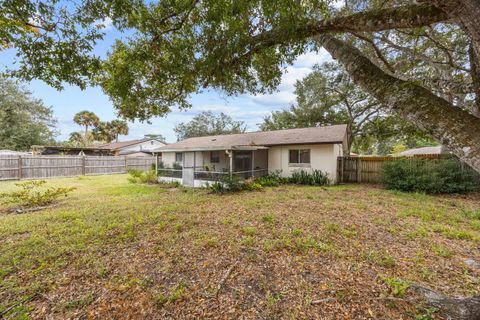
[340, 169]
[20, 174]
[359, 170]
[126, 165]
[83, 165]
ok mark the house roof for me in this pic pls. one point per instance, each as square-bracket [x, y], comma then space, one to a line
[315, 135]
[100, 147]
[122, 144]
[424, 150]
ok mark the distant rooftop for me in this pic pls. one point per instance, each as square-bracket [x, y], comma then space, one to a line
[120, 144]
[315, 135]
[423, 150]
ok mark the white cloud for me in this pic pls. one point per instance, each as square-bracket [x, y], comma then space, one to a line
[279, 99]
[311, 58]
[233, 111]
[107, 24]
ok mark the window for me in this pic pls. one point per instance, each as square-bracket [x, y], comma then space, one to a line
[178, 157]
[214, 156]
[299, 156]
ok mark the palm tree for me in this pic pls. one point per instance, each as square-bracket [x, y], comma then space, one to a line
[86, 118]
[76, 139]
[119, 127]
[103, 131]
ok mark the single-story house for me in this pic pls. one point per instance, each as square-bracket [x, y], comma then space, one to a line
[194, 160]
[126, 148]
[424, 151]
[133, 146]
[5, 152]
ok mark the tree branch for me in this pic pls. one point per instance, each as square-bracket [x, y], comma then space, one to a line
[410, 16]
[453, 127]
[464, 11]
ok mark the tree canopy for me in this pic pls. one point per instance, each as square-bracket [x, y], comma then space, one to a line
[24, 120]
[208, 123]
[182, 47]
[104, 131]
[328, 96]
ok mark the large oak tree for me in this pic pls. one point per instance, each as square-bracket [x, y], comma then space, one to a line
[182, 47]
[185, 46]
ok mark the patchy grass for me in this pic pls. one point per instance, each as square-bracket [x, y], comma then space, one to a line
[121, 250]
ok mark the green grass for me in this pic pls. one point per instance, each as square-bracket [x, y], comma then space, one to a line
[151, 247]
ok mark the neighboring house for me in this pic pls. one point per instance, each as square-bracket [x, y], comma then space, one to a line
[13, 153]
[127, 148]
[133, 146]
[255, 153]
[423, 150]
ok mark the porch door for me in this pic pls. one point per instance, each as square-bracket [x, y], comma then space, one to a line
[188, 170]
[242, 161]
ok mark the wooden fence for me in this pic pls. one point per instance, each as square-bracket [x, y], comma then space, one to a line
[367, 169]
[41, 167]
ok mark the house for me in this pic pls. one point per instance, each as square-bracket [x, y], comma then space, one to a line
[10, 153]
[125, 148]
[423, 151]
[195, 160]
[133, 146]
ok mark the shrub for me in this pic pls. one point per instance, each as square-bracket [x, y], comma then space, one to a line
[429, 176]
[34, 194]
[135, 173]
[139, 176]
[315, 178]
[231, 183]
[272, 179]
[149, 177]
[252, 186]
[226, 183]
[217, 187]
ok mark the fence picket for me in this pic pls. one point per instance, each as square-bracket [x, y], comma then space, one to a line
[367, 169]
[41, 167]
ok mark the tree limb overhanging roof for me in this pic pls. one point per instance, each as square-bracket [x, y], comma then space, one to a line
[315, 135]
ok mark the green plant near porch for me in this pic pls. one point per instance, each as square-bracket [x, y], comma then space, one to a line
[315, 178]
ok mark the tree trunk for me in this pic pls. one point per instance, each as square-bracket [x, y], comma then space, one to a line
[349, 139]
[454, 308]
[475, 73]
[458, 130]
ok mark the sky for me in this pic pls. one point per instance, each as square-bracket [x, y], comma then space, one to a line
[248, 108]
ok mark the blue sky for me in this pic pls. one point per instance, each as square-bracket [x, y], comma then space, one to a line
[248, 108]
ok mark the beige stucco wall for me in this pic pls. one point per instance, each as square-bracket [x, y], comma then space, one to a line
[322, 157]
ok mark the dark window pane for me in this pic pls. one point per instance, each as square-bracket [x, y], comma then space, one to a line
[293, 158]
[305, 156]
[214, 157]
[178, 157]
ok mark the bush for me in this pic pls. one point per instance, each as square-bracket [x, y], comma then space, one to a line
[217, 187]
[34, 194]
[252, 186]
[170, 184]
[139, 176]
[272, 179]
[135, 173]
[429, 176]
[149, 177]
[233, 183]
[315, 178]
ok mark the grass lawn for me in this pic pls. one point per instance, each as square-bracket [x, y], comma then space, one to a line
[118, 250]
